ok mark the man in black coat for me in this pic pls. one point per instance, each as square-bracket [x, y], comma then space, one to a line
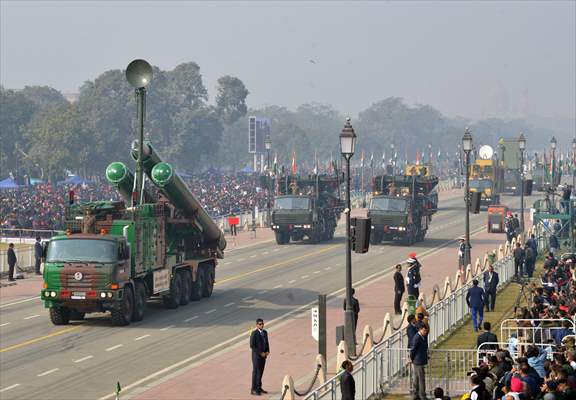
[519, 255]
[399, 288]
[347, 383]
[37, 255]
[11, 262]
[491, 280]
[487, 336]
[260, 351]
[419, 358]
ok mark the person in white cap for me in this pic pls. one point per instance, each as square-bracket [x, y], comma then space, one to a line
[413, 277]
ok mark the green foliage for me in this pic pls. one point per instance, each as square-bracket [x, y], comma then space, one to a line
[231, 99]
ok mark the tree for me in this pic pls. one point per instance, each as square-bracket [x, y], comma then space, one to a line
[231, 99]
[44, 97]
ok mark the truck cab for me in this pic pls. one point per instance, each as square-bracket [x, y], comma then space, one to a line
[396, 219]
[293, 217]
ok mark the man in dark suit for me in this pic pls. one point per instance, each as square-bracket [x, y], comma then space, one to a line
[260, 351]
[347, 383]
[491, 281]
[419, 358]
[11, 262]
[398, 288]
[487, 336]
[475, 300]
[37, 255]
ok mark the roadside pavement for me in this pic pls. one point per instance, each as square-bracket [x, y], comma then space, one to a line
[226, 374]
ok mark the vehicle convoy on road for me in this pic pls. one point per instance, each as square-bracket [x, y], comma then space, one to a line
[509, 163]
[114, 256]
[485, 177]
[402, 206]
[306, 207]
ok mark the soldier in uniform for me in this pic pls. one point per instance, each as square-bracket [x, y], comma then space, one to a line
[413, 277]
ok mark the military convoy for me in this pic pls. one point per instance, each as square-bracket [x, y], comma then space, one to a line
[306, 207]
[485, 177]
[402, 206]
[114, 256]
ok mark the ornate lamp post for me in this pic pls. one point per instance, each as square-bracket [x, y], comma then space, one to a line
[467, 147]
[347, 147]
[268, 146]
[522, 146]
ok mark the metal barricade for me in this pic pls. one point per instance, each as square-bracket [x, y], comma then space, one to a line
[540, 333]
[24, 255]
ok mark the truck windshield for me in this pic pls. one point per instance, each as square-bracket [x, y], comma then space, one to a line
[84, 250]
[480, 184]
[388, 204]
[292, 203]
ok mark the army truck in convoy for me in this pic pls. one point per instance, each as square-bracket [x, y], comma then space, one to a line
[485, 177]
[306, 207]
[509, 160]
[402, 206]
[115, 255]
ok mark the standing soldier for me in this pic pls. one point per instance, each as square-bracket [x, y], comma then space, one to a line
[461, 252]
[37, 255]
[11, 262]
[398, 288]
[413, 278]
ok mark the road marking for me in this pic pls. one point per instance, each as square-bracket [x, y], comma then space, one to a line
[5, 323]
[277, 286]
[83, 359]
[167, 327]
[316, 272]
[20, 302]
[266, 252]
[141, 337]
[263, 291]
[327, 268]
[32, 316]
[247, 298]
[305, 277]
[38, 339]
[114, 347]
[229, 304]
[48, 372]
[252, 256]
[9, 387]
[276, 250]
[292, 281]
[229, 262]
[241, 259]
[210, 311]
[191, 318]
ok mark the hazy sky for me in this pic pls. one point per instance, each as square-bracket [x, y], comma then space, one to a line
[475, 59]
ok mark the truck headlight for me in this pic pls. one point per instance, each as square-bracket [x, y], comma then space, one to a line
[52, 294]
[110, 294]
[103, 294]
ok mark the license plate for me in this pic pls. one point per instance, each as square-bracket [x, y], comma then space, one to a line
[78, 295]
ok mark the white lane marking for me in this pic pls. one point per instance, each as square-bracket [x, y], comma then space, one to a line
[266, 252]
[20, 302]
[83, 359]
[276, 250]
[241, 259]
[292, 281]
[48, 372]
[229, 262]
[9, 387]
[327, 269]
[277, 286]
[263, 291]
[252, 256]
[167, 327]
[5, 323]
[210, 311]
[247, 298]
[142, 337]
[32, 316]
[229, 304]
[316, 272]
[114, 347]
[305, 276]
[191, 318]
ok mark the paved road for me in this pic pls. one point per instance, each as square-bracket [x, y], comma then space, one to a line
[85, 359]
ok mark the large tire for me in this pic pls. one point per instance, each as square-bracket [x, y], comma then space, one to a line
[186, 287]
[60, 315]
[282, 237]
[76, 315]
[210, 278]
[139, 302]
[121, 316]
[197, 291]
[375, 237]
[172, 300]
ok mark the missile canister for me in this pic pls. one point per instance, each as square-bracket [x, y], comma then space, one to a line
[172, 186]
[118, 174]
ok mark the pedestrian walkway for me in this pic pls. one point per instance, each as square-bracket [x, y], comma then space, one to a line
[226, 374]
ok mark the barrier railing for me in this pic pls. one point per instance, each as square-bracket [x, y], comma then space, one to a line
[24, 255]
[17, 235]
[539, 333]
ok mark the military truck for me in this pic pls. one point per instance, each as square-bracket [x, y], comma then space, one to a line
[114, 256]
[509, 162]
[306, 207]
[402, 206]
[485, 177]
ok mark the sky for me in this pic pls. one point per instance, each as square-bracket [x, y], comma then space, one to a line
[465, 58]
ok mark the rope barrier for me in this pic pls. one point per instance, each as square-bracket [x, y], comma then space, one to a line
[309, 389]
[361, 350]
[286, 387]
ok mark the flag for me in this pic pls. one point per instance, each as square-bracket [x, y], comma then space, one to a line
[275, 167]
[118, 390]
[331, 164]
[438, 156]
[362, 160]
[293, 163]
[371, 160]
[417, 157]
[383, 159]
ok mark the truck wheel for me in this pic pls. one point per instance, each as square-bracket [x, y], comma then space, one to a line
[375, 238]
[186, 288]
[139, 302]
[210, 277]
[76, 315]
[121, 316]
[172, 300]
[198, 285]
[60, 315]
[282, 237]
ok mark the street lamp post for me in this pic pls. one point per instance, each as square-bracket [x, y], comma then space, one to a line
[347, 147]
[268, 146]
[522, 146]
[467, 147]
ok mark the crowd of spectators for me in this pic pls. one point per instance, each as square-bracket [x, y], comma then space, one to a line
[43, 206]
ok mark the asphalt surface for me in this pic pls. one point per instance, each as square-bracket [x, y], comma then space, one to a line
[84, 360]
